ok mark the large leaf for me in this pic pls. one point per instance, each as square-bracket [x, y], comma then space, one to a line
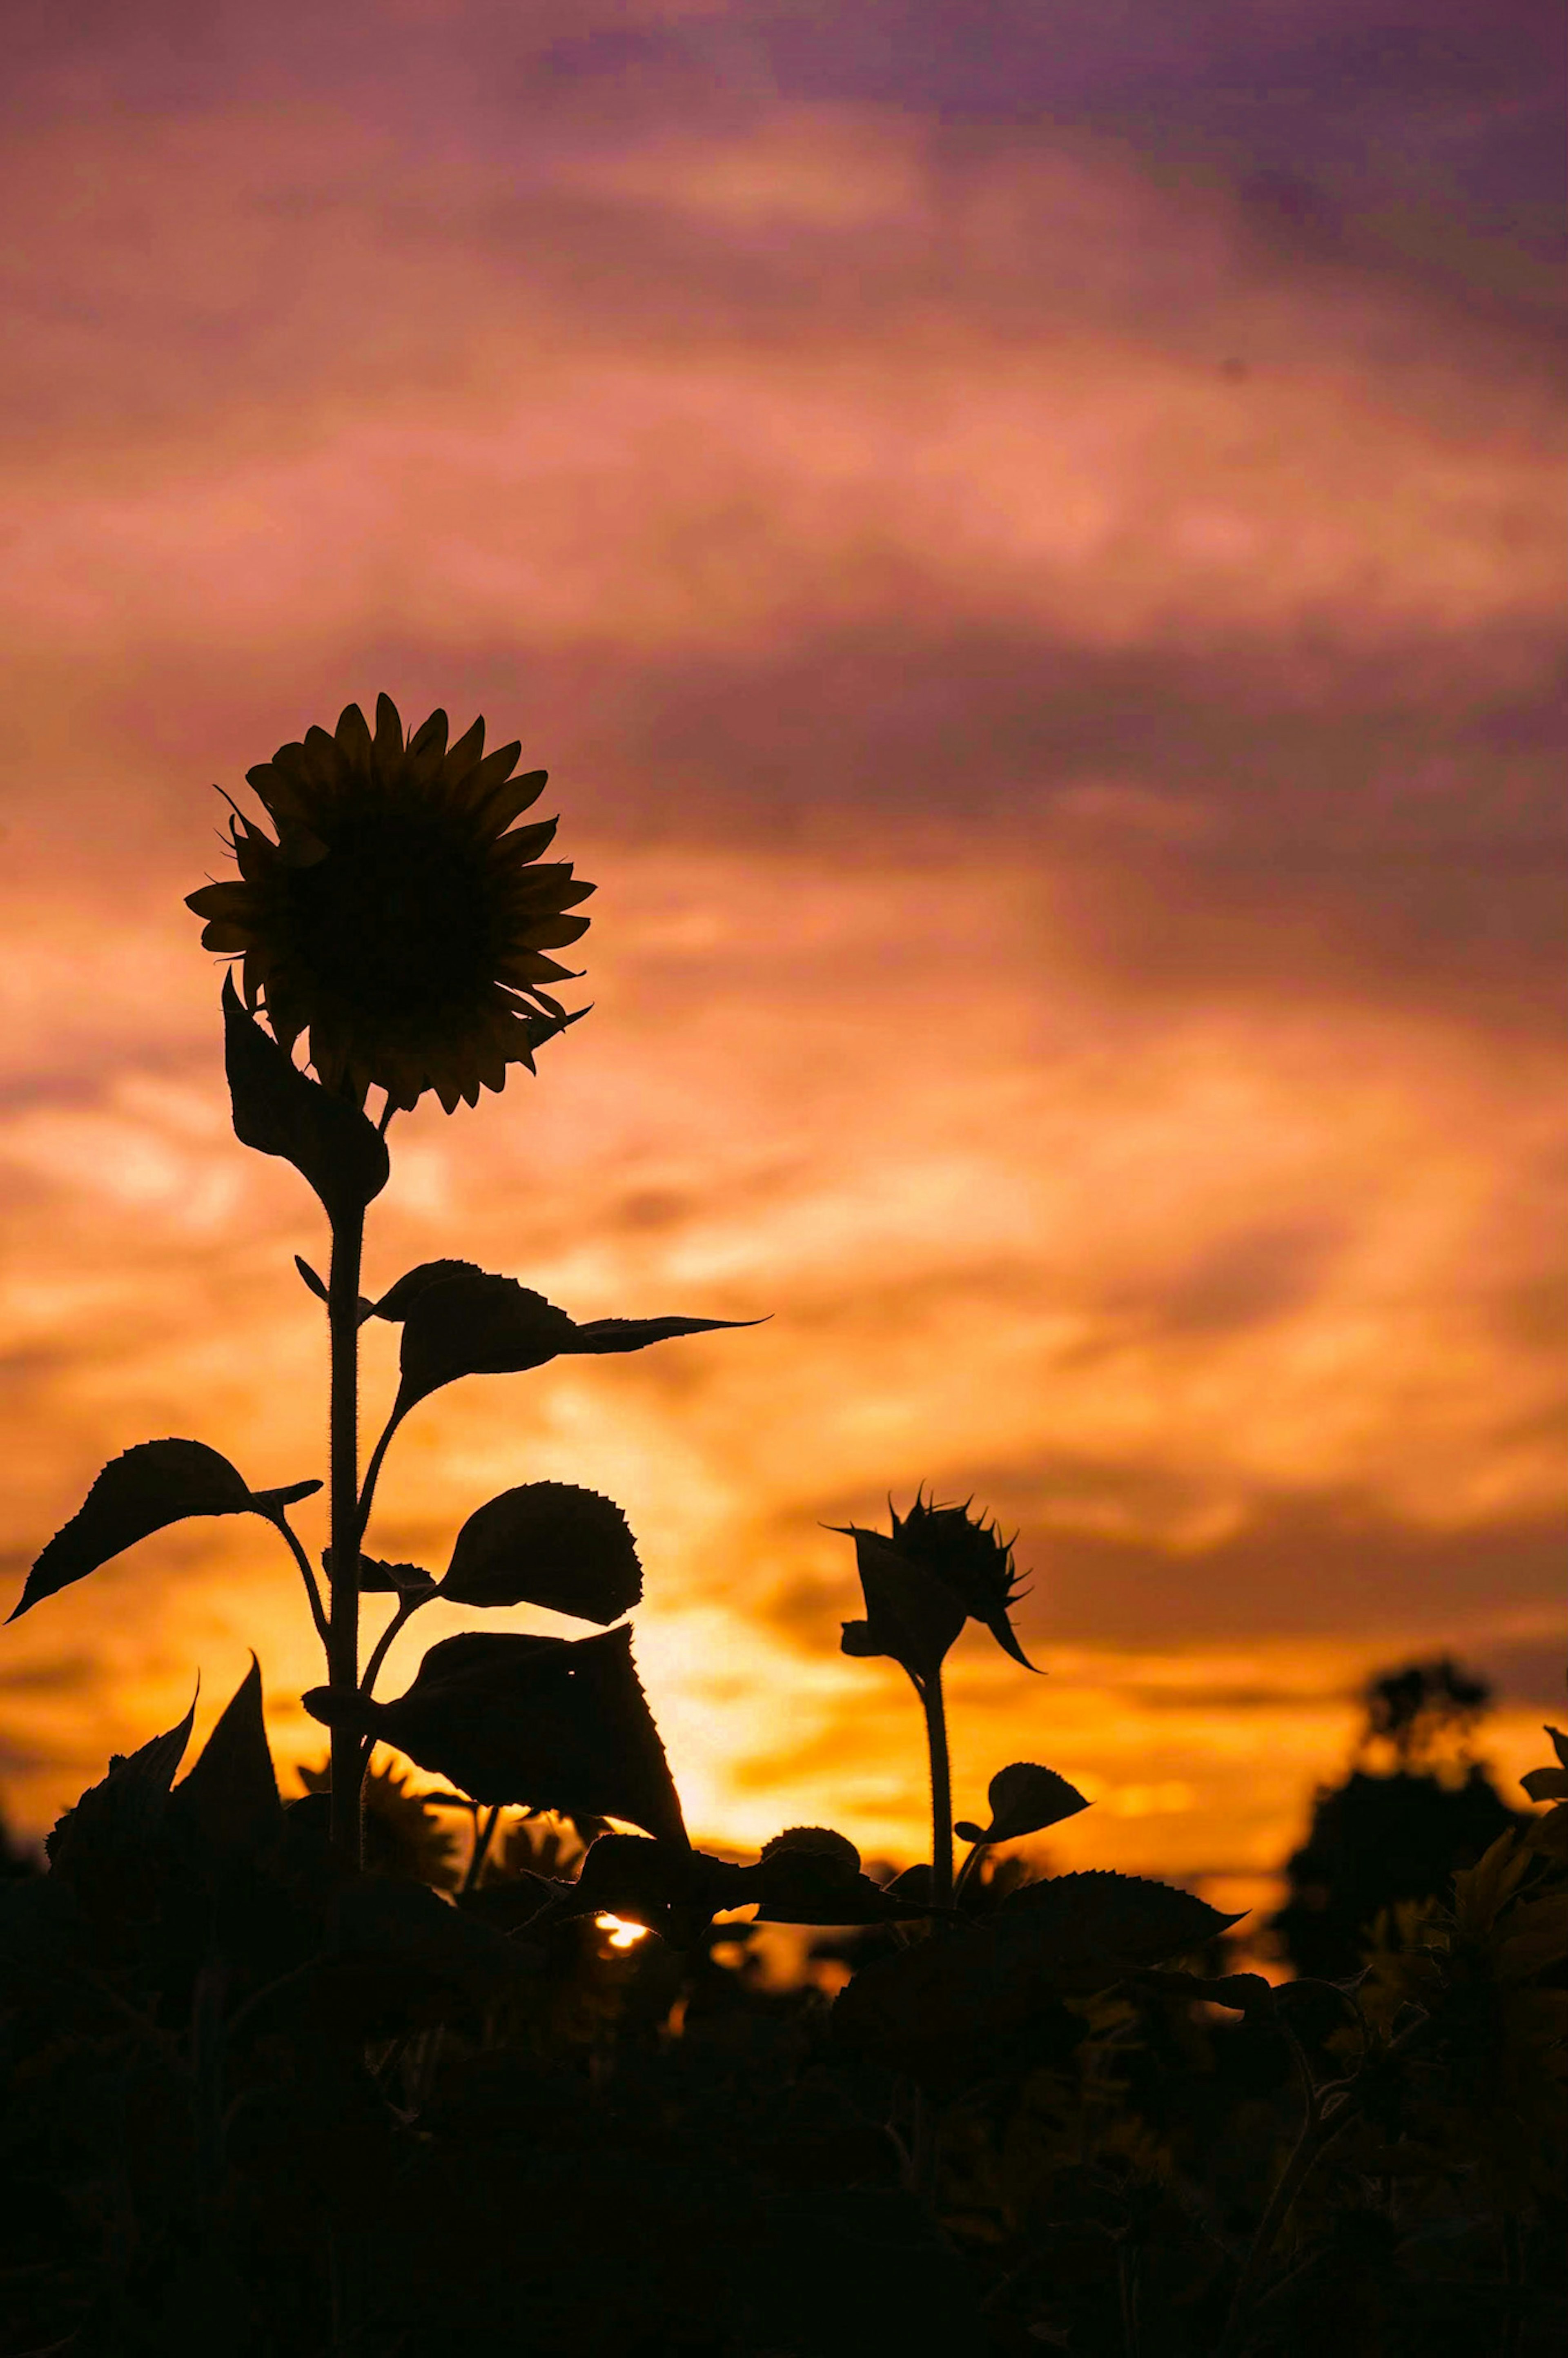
[811, 1874]
[280, 1111]
[151, 1485]
[673, 1891]
[231, 1795]
[547, 1543]
[1069, 1937]
[543, 1723]
[398, 1300]
[461, 1321]
[118, 1819]
[379, 1578]
[1024, 1800]
[807, 1875]
[1090, 1921]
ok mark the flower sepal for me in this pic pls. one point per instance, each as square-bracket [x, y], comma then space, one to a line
[280, 1111]
[912, 1616]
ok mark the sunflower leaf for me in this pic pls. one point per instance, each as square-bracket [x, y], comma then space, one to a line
[811, 1874]
[313, 1284]
[142, 1491]
[547, 1543]
[395, 1303]
[543, 1723]
[231, 1795]
[114, 1822]
[378, 1578]
[470, 1324]
[933, 2008]
[280, 1111]
[606, 1335]
[673, 1890]
[461, 1321]
[1024, 1800]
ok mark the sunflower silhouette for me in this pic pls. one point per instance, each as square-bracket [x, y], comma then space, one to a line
[399, 917]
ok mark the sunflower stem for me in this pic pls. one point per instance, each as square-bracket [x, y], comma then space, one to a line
[373, 1471]
[280, 1523]
[343, 1628]
[941, 1791]
[407, 1605]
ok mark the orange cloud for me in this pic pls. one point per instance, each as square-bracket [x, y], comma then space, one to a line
[1071, 821]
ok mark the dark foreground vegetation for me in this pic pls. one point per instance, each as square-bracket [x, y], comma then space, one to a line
[252, 2100]
[380, 2075]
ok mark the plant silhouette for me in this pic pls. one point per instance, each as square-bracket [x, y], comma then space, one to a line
[1414, 1809]
[409, 2071]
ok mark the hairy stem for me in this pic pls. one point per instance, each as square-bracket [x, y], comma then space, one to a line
[971, 1866]
[941, 1791]
[343, 1630]
[308, 1575]
[926, 2157]
[373, 1471]
[407, 1606]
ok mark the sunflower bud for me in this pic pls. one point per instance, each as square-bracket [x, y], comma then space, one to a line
[941, 1567]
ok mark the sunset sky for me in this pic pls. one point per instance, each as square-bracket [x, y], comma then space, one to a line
[1027, 536]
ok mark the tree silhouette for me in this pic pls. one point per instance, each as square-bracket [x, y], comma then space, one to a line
[1398, 1831]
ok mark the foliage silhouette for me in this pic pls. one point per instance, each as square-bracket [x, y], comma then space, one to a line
[441, 2072]
[1380, 1839]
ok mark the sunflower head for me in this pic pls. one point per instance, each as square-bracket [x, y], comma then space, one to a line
[398, 917]
[942, 1568]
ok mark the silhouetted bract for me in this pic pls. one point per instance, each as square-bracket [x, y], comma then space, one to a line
[971, 1557]
[912, 1615]
[280, 1111]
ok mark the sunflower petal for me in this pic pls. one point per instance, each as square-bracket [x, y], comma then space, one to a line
[354, 739]
[388, 733]
[464, 755]
[481, 781]
[226, 938]
[428, 748]
[320, 759]
[552, 883]
[230, 902]
[555, 932]
[525, 843]
[510, 799]
[523, 968]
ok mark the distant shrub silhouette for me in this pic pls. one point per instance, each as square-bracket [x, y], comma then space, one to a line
[1381, 1838]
